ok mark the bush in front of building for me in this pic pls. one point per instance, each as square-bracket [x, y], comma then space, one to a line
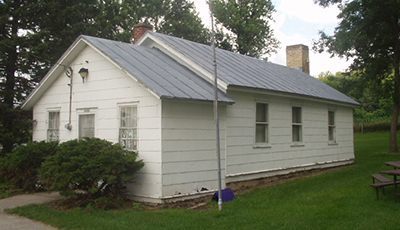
[90, 170]
[19, 169]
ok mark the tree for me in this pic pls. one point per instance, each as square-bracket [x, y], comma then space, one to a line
[32, 36]
[369, 33]
[35, 33]
[181, 20]
[248, 23]
[376, 104]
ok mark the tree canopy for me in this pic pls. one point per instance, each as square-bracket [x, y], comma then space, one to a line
[369, 33]
[181, 20]
[376, 102]
[247, 23]
[35, 33]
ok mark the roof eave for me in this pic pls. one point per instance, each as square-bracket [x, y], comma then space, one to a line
[227, 101]
[293, 95]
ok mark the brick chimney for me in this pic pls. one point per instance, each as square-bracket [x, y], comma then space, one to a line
[297, 57]
[139, 30]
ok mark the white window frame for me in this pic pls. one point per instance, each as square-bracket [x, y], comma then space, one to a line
[53, 126]
[264, 123]
[332, 127]
[297, 124]
[86, 111]
[134, 138]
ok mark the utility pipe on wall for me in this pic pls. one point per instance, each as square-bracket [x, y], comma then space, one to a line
[216, 109]
[69, 72]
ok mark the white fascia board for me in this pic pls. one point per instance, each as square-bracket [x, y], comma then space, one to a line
[149, 40]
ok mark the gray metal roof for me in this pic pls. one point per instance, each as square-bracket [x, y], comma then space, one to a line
[157, 71]
[243, 71]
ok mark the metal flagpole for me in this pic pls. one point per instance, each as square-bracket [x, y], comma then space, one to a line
[216, 110]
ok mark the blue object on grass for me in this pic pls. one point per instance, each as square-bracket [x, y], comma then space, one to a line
[227, 195]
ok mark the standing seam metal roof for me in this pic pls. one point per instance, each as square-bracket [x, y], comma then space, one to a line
[157, 71]
[243, 71]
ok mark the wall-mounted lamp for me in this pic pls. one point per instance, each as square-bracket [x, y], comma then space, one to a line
[84, 73]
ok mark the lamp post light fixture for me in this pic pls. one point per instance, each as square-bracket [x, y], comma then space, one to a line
[84, 73]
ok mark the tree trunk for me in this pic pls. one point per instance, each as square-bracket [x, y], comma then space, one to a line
[396, 94]
[396, 106]
[393, 128]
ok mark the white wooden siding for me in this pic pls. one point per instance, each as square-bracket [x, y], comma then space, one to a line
[105, 88]
[246, 158]
[189, 156]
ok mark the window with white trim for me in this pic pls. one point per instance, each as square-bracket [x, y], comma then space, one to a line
[128, 135]
[53, 128]
[261, 123]
[331, 126]
[297, 135]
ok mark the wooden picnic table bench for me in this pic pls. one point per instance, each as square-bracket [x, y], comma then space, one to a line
[395, 164]
[384, 181]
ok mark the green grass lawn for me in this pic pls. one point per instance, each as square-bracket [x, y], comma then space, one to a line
[338, 199]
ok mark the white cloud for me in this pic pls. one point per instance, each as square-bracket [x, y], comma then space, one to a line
[308, 11]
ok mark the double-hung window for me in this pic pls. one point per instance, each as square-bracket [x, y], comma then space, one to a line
[331, 127]
[53, 128]
[261, 123]
[128, 135]
[297, 135]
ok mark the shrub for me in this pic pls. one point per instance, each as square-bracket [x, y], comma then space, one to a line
[89, 169]
[379, 126]
[20, 167]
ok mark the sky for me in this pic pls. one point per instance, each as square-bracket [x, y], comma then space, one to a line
[297, 22]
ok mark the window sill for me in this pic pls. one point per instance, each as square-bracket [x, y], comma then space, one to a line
[297, 145]
[261, 146]
[333, 143]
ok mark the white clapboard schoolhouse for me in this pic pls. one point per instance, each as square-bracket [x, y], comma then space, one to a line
[156, 97]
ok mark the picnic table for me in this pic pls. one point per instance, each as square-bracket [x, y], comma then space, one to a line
[394, 173]
[384, 181]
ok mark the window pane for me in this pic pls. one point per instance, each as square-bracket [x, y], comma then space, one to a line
[296, 115]
[53, 130]
[261, 133]
[54, 120]
[331, 118]
[261, 112]
[331, 133]
[296, 133]
[86, 125]
[128, 117]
